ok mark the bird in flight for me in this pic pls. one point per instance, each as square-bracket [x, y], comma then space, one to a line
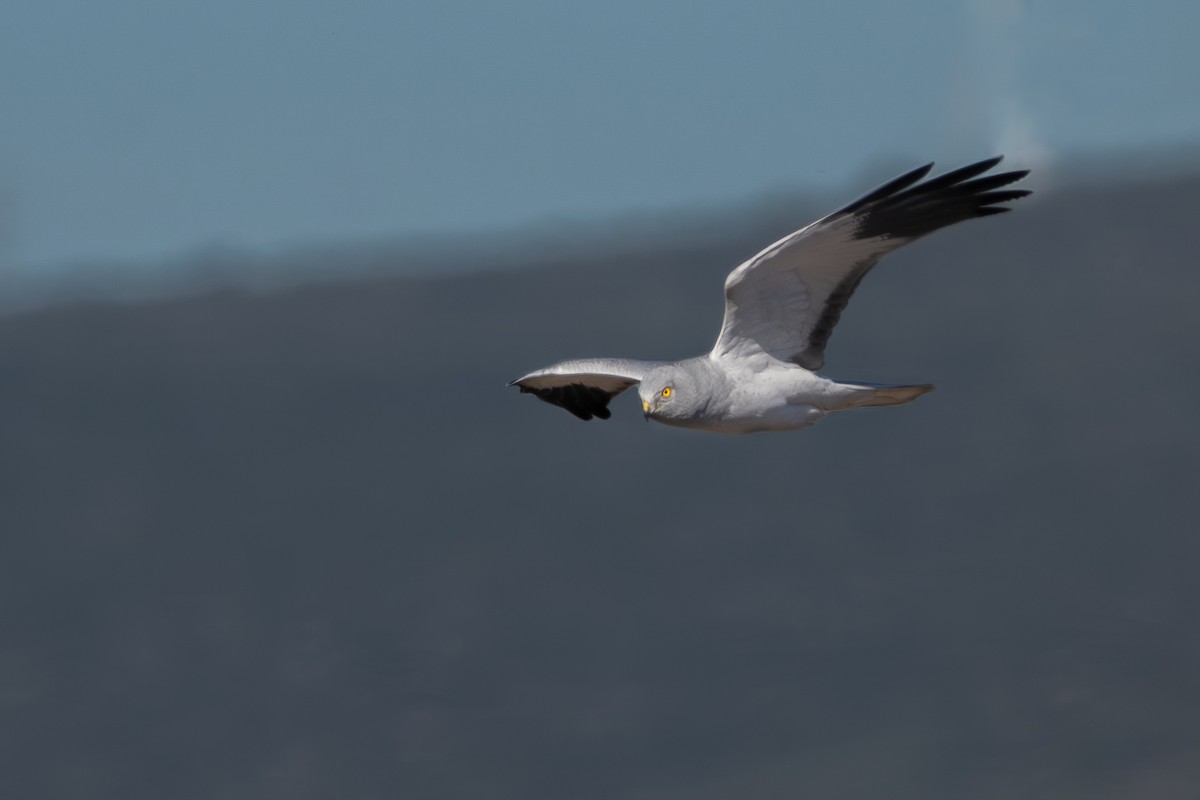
[780, 308]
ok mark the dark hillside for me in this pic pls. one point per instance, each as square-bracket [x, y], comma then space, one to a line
[306, 544]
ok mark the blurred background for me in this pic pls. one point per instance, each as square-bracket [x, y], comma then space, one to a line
[271, 525]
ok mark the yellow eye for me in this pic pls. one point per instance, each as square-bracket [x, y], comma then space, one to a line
[666, 392]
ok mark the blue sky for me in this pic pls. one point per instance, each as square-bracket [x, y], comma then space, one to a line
[144, 130]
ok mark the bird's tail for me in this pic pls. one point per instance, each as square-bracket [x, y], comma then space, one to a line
[865, 395]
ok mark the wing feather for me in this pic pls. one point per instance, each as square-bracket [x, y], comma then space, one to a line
[786, 300]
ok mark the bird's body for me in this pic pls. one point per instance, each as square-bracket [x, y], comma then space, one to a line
[759, 394]
[780, 308]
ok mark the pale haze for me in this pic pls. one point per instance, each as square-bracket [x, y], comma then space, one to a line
[141, 131]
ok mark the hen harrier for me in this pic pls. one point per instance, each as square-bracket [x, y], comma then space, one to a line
[780, 308]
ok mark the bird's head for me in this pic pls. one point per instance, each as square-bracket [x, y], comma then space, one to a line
[670, 393]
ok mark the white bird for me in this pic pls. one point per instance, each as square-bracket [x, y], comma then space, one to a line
[780, 308]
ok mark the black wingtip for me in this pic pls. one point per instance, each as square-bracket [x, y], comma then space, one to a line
[585, 402]
[897, 184]
[910, 209]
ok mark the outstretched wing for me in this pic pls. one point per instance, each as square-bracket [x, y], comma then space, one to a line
[786, 300]
[584, 386]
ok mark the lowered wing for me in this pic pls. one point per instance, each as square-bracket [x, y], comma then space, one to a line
[786, 300]
[585, 386]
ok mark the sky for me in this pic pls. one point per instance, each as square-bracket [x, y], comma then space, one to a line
[142, 131]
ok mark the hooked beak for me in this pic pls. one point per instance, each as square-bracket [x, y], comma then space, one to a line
[646, 410]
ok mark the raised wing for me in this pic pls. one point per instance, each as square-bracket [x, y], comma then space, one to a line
[786, 300]
[584, 386]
